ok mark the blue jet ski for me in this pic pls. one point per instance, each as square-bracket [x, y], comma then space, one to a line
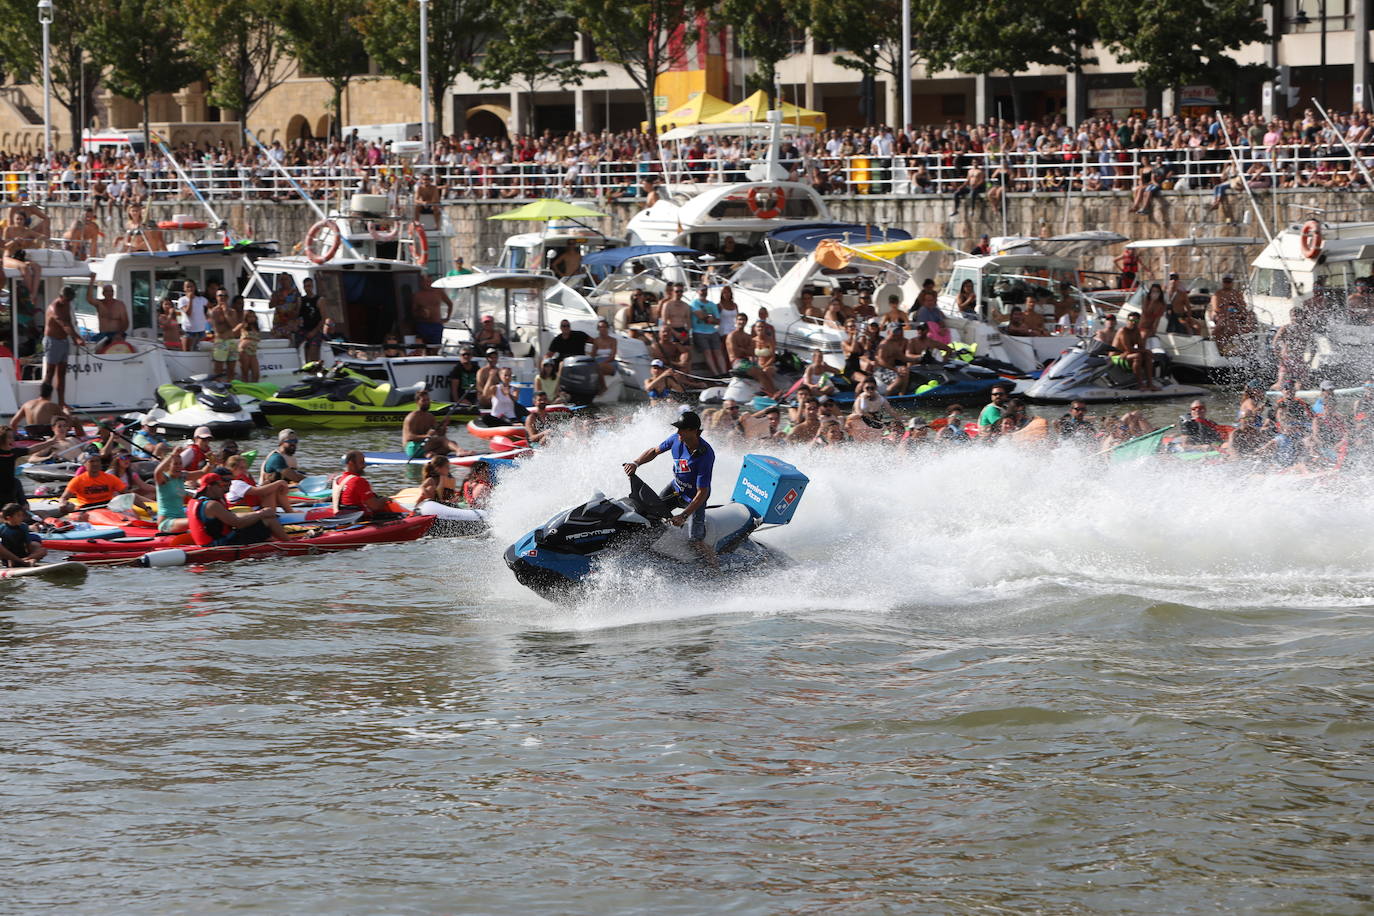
[561, 555]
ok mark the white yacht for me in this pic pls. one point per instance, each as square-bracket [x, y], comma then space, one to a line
[1200, 262]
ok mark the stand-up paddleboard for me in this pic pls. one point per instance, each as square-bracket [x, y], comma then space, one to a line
[68, 570]
[82, 531]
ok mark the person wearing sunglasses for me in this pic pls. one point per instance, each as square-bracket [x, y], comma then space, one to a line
[1076, 424]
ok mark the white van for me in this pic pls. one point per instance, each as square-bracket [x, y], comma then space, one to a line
[384, 133]
[112, 141]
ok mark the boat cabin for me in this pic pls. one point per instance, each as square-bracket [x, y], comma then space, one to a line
[1282, 274]
[364, 299]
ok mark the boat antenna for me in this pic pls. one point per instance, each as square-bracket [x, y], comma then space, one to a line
[221, 224]
[1254, 204]
[299, 190]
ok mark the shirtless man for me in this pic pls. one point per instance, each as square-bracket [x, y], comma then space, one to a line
[422, 433]
[738, 343]
[83, 238]
[1181, 310]
[1130, 341]
[36, 415]
[921, 349]
[487, 376]
[1230, 316]
[808, 306]
[426, 197]
[111, 313]
[63, 444]
[671, 352]
[59, 336]
[973, 185]
[864, 308]
[223, 321]
[1107, 333]
[568, 262]
[430, 309]
[675, 314]
[537, 421]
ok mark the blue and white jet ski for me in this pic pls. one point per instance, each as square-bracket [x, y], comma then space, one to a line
[561, 555]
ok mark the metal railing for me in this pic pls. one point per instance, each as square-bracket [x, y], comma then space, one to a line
[911, 175]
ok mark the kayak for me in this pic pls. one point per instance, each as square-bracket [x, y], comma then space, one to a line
[351, 538]
[84, 531]
[68, 569]
[50, 471]
[467, 461]
[132, 529]
[491, 432]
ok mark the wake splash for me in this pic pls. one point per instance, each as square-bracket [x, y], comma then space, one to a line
[1005, 529]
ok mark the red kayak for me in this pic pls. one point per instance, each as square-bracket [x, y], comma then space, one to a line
[145, 531]
[132, 552]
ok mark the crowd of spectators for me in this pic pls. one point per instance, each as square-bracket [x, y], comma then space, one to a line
[1142, 154]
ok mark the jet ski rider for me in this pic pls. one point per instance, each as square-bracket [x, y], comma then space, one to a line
[693, 461]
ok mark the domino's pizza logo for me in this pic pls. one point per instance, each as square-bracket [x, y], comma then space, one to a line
[684, 465]
[788, 499]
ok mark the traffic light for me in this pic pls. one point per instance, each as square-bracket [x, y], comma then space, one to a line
[1284, 88]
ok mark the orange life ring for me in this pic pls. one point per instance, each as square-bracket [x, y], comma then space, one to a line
[116, 346]
[773, 212]
[1311, 240]
[314, 235]
[182, 224]
[384, 235]
[419, 244]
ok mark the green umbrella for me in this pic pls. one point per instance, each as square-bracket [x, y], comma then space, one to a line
[547, 210]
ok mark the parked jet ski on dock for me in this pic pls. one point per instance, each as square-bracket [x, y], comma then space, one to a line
[562, 555]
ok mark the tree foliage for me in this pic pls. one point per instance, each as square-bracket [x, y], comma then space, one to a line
[241, 47]
[764, 33]
[639, 36]
[458, 31]
[1180, 42]
[139, 44]
[519, 56]
[320, 34]
[21, 49]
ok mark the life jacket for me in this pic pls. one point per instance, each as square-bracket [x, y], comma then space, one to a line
[204, 530]
[198, 460]
[470, 493]
[248, 500]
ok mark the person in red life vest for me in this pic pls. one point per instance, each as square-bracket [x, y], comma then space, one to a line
[477, 486]
[352, 492]
[214, 525]
[195, 458]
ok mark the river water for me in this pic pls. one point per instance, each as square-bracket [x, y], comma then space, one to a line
[996, 681]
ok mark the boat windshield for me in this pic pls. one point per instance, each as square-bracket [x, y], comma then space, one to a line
[763, 273]
[1015, 283]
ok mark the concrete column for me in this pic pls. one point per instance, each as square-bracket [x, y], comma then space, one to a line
[1361, 73]
[1168, 101]
[982, 100]
[1269, 101]
[581, 117]
[810, 71]
[516, 124]
[1076, 100]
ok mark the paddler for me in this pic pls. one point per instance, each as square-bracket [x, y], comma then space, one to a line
[693, 462]
[281, 461]
[171, 495]
[352, 492]
[422, 432]
[35, 416]
[212, 524]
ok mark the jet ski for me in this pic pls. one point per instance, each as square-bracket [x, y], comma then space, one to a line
[1088, 372]
[344, 399]
[933, 384]
[563, 554]
[185, 405]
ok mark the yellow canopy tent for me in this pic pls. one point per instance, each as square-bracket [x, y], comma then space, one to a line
[755, 108]
[697, 109]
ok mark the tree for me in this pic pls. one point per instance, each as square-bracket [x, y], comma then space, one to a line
[870, 34]
[641, 36]
[1005, 36]
[764, 33]
[240, 45]
[139, 42]
[21, 47]
[1177, 43]
[458, 31]
[521, 57]
[321, 35]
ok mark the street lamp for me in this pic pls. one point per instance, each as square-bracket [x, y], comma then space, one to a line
[1302, 19]
[425, 136]
[45, 17]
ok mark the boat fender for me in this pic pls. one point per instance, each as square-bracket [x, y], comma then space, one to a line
[1310, 241]
[161, 559]
[932, 384]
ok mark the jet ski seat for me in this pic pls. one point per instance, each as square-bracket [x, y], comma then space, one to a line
[399, 396]
[724, 525]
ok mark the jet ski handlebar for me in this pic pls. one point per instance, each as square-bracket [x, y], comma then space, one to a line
[647, 501]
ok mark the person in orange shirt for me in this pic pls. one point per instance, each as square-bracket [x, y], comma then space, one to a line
[92, 486]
